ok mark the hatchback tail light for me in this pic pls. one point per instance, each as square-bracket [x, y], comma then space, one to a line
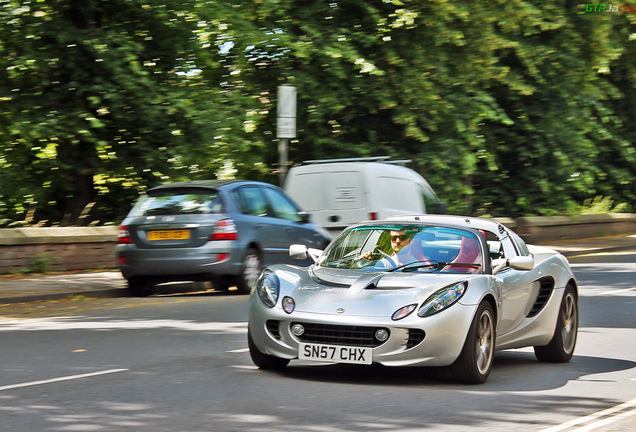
[123, 236]
[224, 230]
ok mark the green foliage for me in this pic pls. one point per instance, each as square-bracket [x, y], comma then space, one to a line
[40, 263]
[603, 205]
[509, 108]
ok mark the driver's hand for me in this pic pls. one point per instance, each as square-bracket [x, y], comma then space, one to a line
[367, 255]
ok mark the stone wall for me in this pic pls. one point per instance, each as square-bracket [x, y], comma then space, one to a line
[57, 249]
[83, 248]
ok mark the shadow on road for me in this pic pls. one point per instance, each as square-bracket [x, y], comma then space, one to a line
[512, 371]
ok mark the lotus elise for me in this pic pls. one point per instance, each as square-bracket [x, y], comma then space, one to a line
[418, 290]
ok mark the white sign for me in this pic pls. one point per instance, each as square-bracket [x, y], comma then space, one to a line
[286, 127]
[286, 101]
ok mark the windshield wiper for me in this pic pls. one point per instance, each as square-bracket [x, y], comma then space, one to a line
[416, 265]
[436, 265]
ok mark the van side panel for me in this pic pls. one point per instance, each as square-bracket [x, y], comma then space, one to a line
[343, 193]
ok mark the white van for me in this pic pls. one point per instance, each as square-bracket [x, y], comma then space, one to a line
[340, 192]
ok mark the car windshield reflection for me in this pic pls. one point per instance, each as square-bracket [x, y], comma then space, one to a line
[406, 248]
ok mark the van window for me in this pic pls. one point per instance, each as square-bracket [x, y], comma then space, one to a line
[430, 202]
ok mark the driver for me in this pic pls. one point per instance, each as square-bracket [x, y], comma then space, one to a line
[401, 251]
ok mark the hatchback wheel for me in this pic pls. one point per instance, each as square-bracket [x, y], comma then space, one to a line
[140, 287]
[251, 270]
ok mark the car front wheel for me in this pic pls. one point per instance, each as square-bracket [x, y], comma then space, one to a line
[262, 360]
[475, 361]
[251, 270]
[561, 347]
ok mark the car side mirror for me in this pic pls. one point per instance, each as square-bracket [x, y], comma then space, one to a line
[523, 263]
[299, 251]
[304, 216]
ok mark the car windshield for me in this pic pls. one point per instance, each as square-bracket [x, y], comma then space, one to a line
[177, 202]
[406, 248]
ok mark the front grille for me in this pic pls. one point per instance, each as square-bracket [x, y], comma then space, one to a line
[416, 336]
[273, 327]
[340, 335]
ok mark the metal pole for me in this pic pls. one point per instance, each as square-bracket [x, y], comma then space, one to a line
[282, 160]
[286, 126]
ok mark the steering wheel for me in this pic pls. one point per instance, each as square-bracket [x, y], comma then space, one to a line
[365, 262]
[393, 263]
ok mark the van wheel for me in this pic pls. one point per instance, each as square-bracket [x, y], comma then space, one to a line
[251, 271]
[140, 286]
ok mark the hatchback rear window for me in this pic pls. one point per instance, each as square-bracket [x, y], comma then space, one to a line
[177, 202]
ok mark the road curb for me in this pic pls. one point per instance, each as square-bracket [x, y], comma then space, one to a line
[98, 293]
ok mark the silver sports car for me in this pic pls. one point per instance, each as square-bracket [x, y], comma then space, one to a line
[424, 290]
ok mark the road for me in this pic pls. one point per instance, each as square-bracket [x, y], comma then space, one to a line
[180, 363]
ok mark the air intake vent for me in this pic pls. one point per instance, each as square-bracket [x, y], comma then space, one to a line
[545, 291]
[273, 327]
[416, 336]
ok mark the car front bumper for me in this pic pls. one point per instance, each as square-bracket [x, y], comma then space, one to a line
[444, 333]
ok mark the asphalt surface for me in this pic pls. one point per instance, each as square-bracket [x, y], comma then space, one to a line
[107, 284]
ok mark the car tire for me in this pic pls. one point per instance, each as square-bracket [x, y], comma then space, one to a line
[262, 360]
[251, 270]
[561, 348]
[140, 287]
[476, 358]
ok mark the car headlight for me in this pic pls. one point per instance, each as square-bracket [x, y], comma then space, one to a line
[268, 287]
[442, 299]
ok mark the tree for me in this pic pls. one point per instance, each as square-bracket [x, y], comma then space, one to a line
[96, 103]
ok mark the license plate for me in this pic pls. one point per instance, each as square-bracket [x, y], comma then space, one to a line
[334, 353]
[169, 235]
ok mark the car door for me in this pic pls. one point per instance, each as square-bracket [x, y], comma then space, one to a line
[254, 222]
[519, 288]
[287, 223]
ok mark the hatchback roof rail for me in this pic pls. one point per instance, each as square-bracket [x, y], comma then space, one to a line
[384, 159]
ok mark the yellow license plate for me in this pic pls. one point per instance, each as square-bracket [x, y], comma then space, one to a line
[169, 235]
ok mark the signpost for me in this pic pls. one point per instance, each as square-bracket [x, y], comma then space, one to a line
[286, 126]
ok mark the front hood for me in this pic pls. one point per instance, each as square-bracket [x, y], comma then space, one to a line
[364, 293]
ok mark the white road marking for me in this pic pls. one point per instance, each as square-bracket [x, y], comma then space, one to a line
[596, 416]
[606, 421]
[67, 378]
[618, 291]
[240, 350]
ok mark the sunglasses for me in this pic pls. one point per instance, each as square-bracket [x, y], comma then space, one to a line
[400, 237]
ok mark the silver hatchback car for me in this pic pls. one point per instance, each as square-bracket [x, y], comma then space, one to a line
[210, 230]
